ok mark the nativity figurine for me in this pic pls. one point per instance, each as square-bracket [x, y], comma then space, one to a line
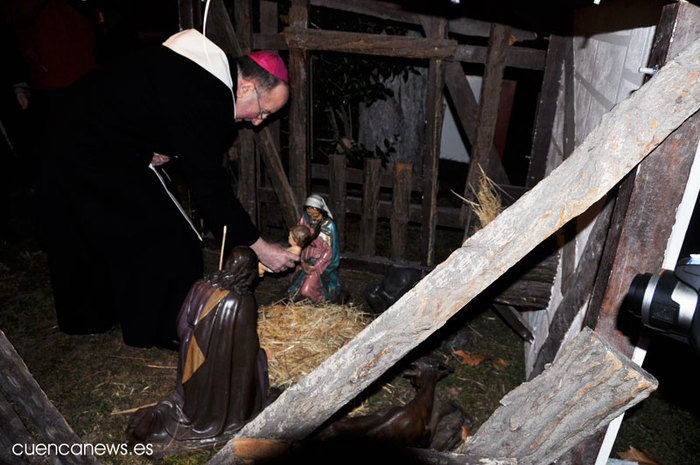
[222, 379]
[316, 275]
[299, 236]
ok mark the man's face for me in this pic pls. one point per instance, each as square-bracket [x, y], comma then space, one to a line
[254, 105]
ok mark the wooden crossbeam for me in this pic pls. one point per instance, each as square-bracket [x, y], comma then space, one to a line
[394, 46]
[623, 138]
[395, 12]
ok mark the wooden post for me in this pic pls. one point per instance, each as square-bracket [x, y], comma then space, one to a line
[43, 418]
[245, 141]
[585, 388]
[338, 194]
[370, 204]
[400, 210]
[657, 187]
[579, 292]
[622, 139]
[436, 27]
[487, 114]
[546, 108]
[467, 108]
[299, 105]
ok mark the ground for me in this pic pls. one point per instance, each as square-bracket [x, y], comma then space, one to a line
[95, 380]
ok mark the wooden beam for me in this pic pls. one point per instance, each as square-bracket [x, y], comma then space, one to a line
[370, 204]
[400, 210]
[338, 194]
[245, 141]
[291, 210]
[395, 12]
[43, 419]
[12, 432]
[546, 108]
[579, 292]
[487, 113]
[585, 388]
[434, 112]
[370, 44]
[299, 106]
[269, 23]
[622, 139]
[467, 108]
[658, 187]
[391, 45]
[354, 176]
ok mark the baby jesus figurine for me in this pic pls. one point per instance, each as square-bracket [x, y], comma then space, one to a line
[299, 236]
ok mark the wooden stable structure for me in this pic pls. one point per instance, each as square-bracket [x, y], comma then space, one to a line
[478, 121]
[573, 166]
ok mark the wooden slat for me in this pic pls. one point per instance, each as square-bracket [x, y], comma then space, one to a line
[370, 207]
[389, 45]
[338, 194]
[370, 44]
[400, 210]
[487, 114]
[299, 105]
[467, 108]
[579, 292]
[658, 187]
[624, 137]
[584, 389]
[546, 109]
[245, 141]
[22, 390]
[568, 232]
[395, 12]
[434, 112]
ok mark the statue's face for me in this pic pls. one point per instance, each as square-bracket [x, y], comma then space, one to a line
[314, 213]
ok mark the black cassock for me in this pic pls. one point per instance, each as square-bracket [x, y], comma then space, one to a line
[119, 250]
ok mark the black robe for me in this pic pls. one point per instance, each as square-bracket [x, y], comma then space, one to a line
[118, 248]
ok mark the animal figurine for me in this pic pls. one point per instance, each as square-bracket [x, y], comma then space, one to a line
[397, 281]
[406, 425]
[299, 237]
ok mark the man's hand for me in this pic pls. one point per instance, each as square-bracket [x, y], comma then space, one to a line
[273, 256]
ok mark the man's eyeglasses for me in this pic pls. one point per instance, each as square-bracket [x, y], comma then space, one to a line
[262, 114]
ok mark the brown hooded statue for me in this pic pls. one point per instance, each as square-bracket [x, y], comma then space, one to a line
[222, 373]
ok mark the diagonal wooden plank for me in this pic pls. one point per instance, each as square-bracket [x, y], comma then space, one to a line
[622, 139]
[43, 418]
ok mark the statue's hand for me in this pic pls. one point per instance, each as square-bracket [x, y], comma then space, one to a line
[308, 269]
[273, 256]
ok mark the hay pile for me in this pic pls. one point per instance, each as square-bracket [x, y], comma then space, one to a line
[299, 336]
[488, 204]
